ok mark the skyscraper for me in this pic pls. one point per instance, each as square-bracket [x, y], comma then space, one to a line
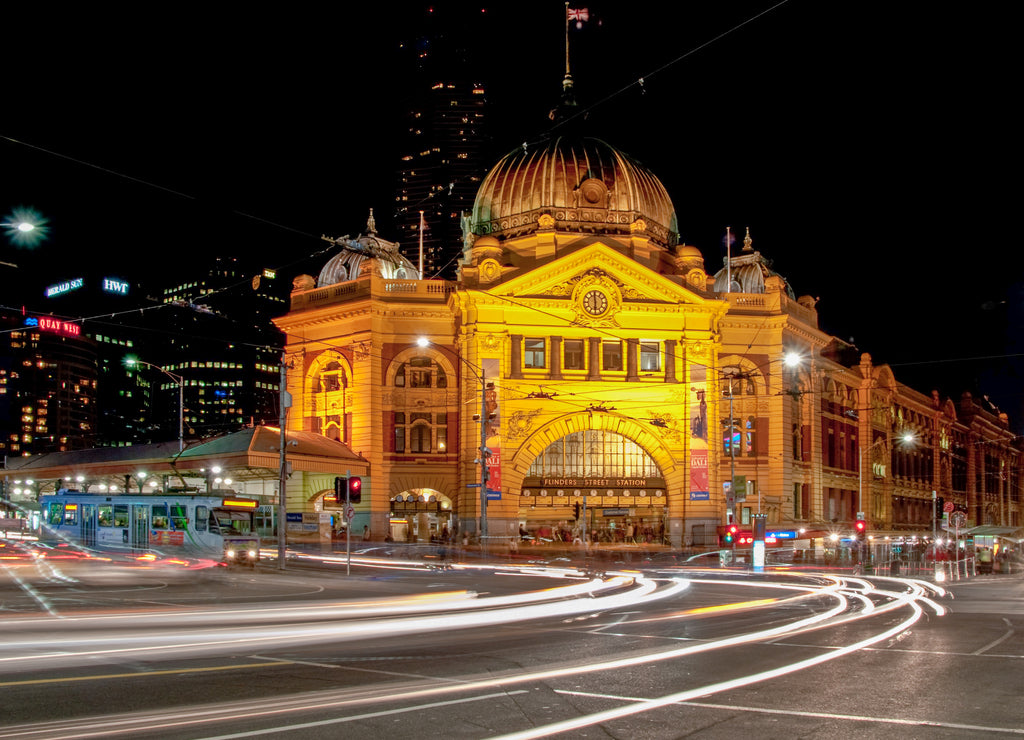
[443, 155]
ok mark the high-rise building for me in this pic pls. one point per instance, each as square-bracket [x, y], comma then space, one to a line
[443, 148]
[48, 386]
[219, 351]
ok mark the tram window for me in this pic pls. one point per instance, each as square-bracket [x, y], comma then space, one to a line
[56, 514]
[202, 515]
[71, 514]
[179, 517]
[120, 515]
[105, 515]
[159, 520]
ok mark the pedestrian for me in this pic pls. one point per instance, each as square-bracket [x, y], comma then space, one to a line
[366, 533]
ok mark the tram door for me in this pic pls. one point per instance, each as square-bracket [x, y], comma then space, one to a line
[88, 525]
[140, 526]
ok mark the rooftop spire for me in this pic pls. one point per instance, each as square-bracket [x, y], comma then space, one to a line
[371, 225]
[748, 243]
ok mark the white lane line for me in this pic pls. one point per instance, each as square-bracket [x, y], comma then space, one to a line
[815, 715]
[400, 674]
[992, 644]
[27, 588]
[359, 717]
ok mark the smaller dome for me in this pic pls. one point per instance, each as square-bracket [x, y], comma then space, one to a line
[748, 272]
[367, 251]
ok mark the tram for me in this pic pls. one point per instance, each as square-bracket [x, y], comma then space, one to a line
[205, 526]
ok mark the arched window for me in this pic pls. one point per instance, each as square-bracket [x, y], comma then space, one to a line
[594, 453]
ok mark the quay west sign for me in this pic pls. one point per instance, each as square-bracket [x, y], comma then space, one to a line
[48, 323]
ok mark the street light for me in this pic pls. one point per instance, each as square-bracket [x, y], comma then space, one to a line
[484, 451]
[791, 360]
[25, 228]
[906, 438]
[131, 361]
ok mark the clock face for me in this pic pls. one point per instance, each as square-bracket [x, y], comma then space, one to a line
[595, 302]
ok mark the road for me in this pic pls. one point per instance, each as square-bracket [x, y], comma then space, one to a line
[480, 651]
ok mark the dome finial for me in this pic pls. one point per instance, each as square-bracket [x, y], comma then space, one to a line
[748, 243]
[371, 225]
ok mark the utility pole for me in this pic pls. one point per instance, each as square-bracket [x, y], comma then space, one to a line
[282, 501]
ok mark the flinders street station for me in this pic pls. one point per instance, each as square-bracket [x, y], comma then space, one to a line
[589, 375]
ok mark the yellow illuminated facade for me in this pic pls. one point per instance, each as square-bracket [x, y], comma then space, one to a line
[616, 381]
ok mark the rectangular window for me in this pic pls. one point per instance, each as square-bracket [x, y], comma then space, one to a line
[105, 515]
[202, 517]
[572, 354]
[611, 354]
[179, 517]
[650, 356]
[399, 439]
[71, 514]
[56, 514]
[442, 439]
[419, 438]
[120, 515]
[159, 520]
[533, 353]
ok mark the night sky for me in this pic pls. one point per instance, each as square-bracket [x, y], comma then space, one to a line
[868, 148]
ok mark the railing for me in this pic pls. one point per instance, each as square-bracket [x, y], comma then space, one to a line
[428, 290]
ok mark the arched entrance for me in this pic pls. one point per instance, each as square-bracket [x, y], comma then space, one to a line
[421, 515]
[597, 483]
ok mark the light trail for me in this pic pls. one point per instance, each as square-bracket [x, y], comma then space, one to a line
[65, 648]
[840, 591]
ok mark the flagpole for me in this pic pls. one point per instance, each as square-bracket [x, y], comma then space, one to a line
[421, 245]
[567, 73]
[728, 259]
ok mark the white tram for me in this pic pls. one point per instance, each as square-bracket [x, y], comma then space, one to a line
[205, 526]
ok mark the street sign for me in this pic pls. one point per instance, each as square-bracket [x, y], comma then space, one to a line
[350, 513]
[958, 519]
[948, 507]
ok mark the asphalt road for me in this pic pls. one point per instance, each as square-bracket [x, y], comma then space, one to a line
[492, 652]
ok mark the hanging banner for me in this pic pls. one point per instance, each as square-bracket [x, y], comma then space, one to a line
[698, 434]
[492, 394]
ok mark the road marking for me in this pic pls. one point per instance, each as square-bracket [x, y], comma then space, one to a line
[360, 717]
[141, 674]
[992, 644]
[816, 715]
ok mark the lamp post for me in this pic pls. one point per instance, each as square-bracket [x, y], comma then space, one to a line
[790, 360]
[131, 361]
[907, 438]
[484, 451]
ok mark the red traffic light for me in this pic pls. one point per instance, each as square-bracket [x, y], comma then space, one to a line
[355, 490]
[860, 525]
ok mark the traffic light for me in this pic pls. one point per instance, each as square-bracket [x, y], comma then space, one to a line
[355, 490]
[940, 505]
[576, 511]
[859, 527]
[730, 534]
[340, 486]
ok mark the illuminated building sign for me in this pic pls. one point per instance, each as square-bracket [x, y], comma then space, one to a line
[48, 323]
[113, 285]
[66, 287]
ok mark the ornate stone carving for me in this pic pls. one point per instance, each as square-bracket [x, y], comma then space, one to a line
[520, 423]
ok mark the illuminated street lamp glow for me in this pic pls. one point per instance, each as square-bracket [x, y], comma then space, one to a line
[25, 227]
